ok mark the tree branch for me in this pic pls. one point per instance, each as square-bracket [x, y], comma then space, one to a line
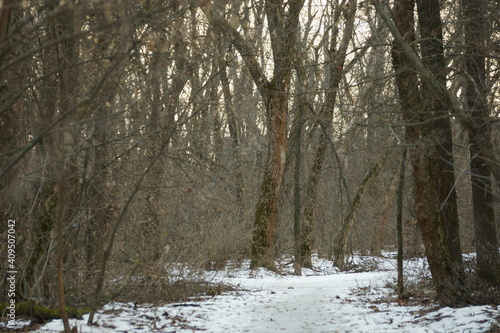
[245, 50]
[484, 143]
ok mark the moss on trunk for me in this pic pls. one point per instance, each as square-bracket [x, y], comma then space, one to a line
[42, 313]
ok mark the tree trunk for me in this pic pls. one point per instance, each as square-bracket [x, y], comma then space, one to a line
[439, 131]
[61, 216]
[267, 205]
[283, 20]
[399, 223]
[301, 244]
[235, 141]
[379, 237]
[488, 258]
[426, 172]
[5, 13]
[297, 232]
[65, 163]
[484, 143]
[341, 241]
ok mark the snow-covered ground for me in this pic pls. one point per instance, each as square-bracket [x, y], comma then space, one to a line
[321, 300]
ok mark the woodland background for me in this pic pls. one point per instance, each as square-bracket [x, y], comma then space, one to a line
[138, 135]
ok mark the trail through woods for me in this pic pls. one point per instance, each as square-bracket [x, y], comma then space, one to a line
[322, 300]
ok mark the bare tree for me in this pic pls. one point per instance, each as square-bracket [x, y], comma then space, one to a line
[426, 164]
[474, 25]
[431, 44]
[282, 20]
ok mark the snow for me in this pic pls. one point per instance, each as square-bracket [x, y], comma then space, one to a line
[321, 300]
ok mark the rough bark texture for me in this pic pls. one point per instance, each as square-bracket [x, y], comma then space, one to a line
[283, 20]
[439, 130]
[488, 258]
[422, 130]
[267, 205]
[483, 142]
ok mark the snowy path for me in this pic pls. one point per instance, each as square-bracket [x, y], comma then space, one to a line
[355, 302]
[329, 303]
[311, 304]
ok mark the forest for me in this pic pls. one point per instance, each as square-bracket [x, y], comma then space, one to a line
[142, 135]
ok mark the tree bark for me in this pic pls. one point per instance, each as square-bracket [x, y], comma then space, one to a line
[488, 258]
[267, 205]
[420, 132]
[484, 143]
[283, 20]
[341, 241]
[301, 244]
[65, 163]
[297, 204]
[5, 14]
[439, 130]
[399, 223]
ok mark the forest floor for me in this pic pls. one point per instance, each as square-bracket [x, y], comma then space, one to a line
[321, 300]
